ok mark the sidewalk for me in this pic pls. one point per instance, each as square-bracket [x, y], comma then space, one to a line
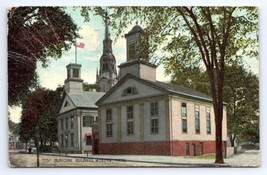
[249, 158]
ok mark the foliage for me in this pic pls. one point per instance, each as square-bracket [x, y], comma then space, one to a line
[35, 34]
[12, 126]
[241, 95]
[40, 110]
[90, 87]
[204, 37]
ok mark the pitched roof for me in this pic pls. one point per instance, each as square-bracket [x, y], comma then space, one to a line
[181, 90]
[165, 87]
[87, 99]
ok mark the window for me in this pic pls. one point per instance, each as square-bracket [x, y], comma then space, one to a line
[67, 123]
[71, 122]
[154, 117]
[75, 73]
[184, 110]
[66, 140]
[66, 104]
[154, 108]
[187, 149]
[208, 122]
[129, 112]
[105, 67]
[131, 51]
[130, 127]
[154, 125]
[184, 125]
[109, 115]
[109, 129]
[130, 120]
[62, 126]
[184, 117]
[87, 121]
[109, 123]
[197, 120]
[72, 139]
[88, 140]
[129, 91]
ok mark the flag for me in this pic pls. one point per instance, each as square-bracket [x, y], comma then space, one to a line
[81, 45]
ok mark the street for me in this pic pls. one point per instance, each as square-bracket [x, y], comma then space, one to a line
[248, 158]
[20, 160]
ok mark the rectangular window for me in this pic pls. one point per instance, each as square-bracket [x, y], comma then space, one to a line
[184, 125]
[197, 120]
[72, 139]
[87, 121]
[187, 149]
[66, 140]
[88, 140]
[130, 120]
[154, 108]
[71, 122]
[67, 123]
[109, 122]
[130, 127]
[129, 112]
[109, 129]
[154, 125]
[62, 125]
[154, 117]
[184, 117]
[184, 110]
[109, 115]
[208, 120]
[75, 73]
[131, 49]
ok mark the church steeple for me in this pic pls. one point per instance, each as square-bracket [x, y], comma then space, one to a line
[107, 76]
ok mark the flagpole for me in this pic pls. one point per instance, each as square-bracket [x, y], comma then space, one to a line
[76, 52]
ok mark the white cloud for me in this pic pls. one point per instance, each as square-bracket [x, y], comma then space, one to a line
[90, 38]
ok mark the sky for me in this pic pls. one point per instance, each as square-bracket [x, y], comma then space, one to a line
[92, 34]
[56, 74]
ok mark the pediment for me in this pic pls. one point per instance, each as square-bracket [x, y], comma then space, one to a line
[129, 89]
[66, 105]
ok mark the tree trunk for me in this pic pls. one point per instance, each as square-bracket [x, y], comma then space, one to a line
[219, 145]
[232, 140]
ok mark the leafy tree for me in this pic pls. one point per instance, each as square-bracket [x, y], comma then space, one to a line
[35, 34]
[241, 93]
[40, 110]
[205, 37]
[90, 87]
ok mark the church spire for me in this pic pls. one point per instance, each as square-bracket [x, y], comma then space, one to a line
[106, 77]
[107, 42]
[107, 35]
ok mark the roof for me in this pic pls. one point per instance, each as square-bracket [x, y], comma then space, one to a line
[181, 90]
[135, 29]
[165, 87]
[87, 99]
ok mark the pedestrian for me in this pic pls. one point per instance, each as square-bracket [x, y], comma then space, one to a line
[30, 150]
